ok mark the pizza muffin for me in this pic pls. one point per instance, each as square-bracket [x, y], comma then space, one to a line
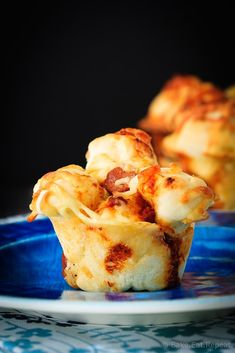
[205, 146]
[192, 123]
[123, 222]
[129, 148]
[178, 95]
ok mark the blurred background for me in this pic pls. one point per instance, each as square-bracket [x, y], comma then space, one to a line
[77, 71]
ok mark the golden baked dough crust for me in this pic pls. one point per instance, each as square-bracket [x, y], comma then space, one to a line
[116, 233]
[128, 148]
[205, 146]
[58, 191]
[230, 92]
[118, 258]
[207, 130]
[180, 93]
[219, 174]
[192, 123]
[177, 198]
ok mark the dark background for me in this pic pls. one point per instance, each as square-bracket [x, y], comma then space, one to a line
[76, 71]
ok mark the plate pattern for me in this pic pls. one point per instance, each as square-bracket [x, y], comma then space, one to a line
[20, 332]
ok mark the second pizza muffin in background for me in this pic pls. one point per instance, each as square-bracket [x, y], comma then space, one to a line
[193, 123]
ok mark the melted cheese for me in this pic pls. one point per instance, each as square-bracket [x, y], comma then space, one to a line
[115, 150]
[177, 198]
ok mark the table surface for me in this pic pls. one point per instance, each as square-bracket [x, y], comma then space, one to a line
[36, 333]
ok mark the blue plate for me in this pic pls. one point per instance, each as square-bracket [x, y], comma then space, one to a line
[31, 278]
[222, 218]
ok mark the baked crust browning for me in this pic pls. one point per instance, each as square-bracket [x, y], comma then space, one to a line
[192, 121]
[57, 191]
[133, 208]
[146, 258]
[179, 94]
[117, 255]
[219, 174]
[177, 198]
[174, 246]
[207, 130]
[205, 146]
[128, 227]
[128, 148]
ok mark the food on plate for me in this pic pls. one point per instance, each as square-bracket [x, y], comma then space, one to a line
[205, 146]
[230, 92]
[177, 198]
[128, 148]
[123, 222]
[219, 174]
[193, 125]
[179, 94]
[207, 130]
[53, 192]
